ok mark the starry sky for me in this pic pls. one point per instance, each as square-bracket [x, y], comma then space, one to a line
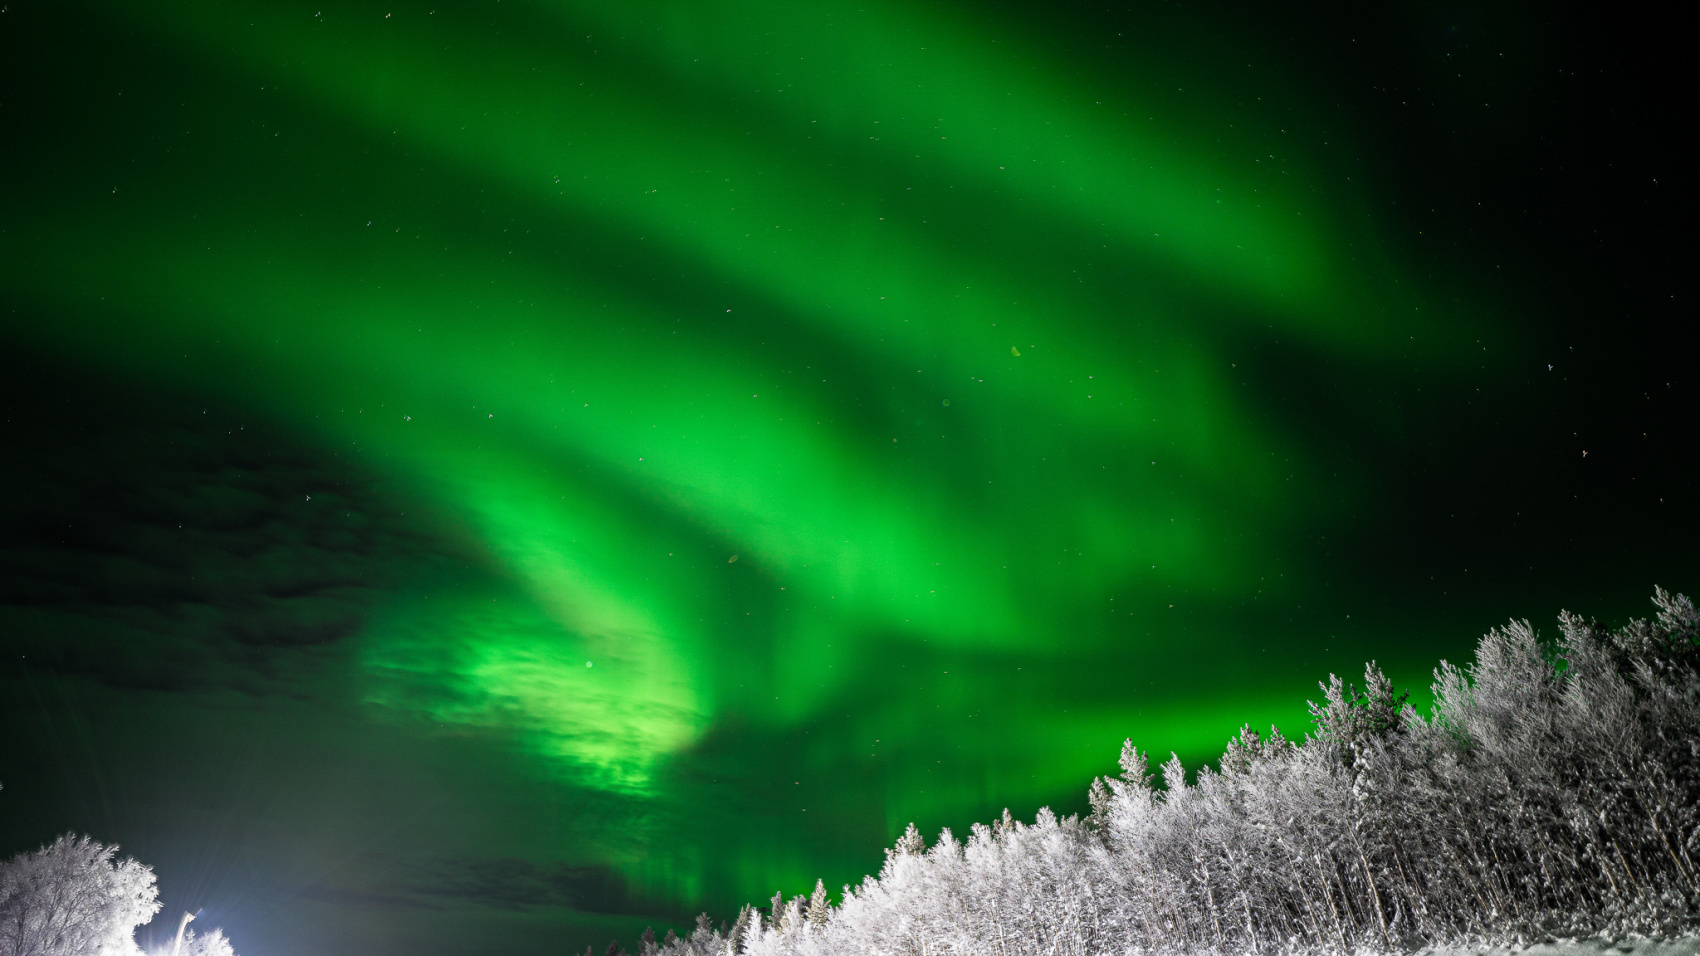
[492, 475]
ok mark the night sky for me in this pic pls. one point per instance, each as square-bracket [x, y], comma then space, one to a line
[490, 475]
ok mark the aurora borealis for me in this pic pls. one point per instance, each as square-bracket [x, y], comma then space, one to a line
[532, 469]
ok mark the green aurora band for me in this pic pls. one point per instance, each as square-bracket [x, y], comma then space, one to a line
[843, 401]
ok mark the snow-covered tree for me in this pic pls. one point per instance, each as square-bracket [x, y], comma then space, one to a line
[194, 944]
[74, 898]
[1554, 787]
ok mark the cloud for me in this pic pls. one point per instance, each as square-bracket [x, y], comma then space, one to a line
[153, 541]
[520, 884]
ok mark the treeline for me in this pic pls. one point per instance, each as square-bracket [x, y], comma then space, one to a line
[1554, 789]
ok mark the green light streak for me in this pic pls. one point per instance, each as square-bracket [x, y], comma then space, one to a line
[721, 291]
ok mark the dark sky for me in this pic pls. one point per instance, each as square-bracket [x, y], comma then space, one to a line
[490, 476]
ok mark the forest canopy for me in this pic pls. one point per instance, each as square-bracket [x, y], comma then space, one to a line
[1553, 790]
